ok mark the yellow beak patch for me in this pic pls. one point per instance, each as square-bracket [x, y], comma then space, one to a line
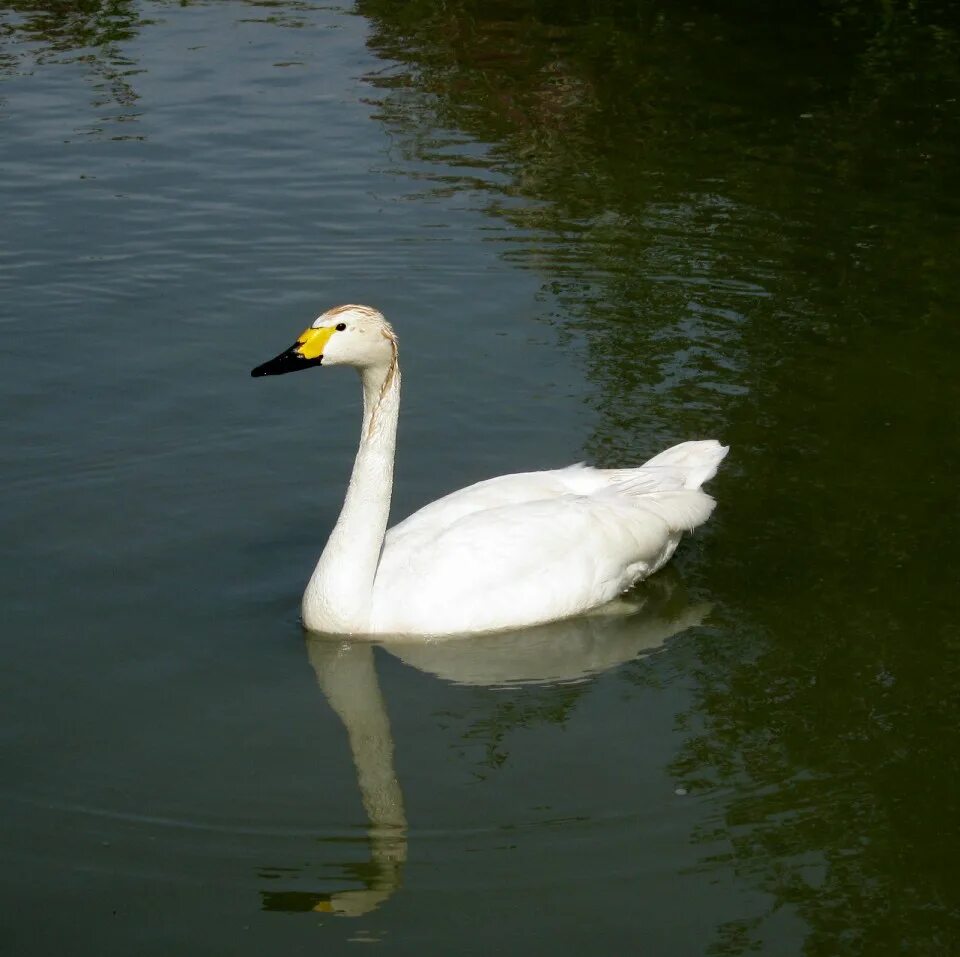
[311, 342]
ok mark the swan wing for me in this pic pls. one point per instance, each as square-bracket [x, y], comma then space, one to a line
[687, 465]
[528, 562]
[493, 493]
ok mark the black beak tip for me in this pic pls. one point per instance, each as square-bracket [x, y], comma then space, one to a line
[289, 361]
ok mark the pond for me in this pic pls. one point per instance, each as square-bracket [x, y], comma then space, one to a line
[598, 229]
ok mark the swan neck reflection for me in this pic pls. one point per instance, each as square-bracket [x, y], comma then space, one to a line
[348, 678]
[561, 652]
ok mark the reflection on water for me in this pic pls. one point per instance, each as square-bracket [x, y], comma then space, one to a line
[94, 32]
[558, 653]
[66, 27]
[699, 226]
[562, 651]
[348, 679]
[740, 220]
[747, 226]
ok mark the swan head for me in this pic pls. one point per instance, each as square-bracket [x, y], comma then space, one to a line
[351, 335]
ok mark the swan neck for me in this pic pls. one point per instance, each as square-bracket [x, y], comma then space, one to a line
[339, 594]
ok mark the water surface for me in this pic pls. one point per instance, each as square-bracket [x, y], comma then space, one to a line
[599, 229]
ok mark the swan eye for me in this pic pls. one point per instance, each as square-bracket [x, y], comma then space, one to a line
[341, 326]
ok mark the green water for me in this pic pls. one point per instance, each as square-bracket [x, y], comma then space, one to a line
[599, 229]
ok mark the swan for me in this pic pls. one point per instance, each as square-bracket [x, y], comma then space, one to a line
[508, 552]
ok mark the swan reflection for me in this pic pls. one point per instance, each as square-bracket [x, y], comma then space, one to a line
[560, 652]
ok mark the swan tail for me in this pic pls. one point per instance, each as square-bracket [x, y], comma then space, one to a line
[691, 463]
[682, 510]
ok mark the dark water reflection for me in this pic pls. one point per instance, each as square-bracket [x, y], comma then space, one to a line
[747, 220]
[91, 32]
[730, 220]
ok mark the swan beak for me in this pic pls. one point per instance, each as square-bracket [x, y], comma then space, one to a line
[307, 351]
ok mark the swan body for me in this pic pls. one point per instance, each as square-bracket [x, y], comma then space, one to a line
[509, 552]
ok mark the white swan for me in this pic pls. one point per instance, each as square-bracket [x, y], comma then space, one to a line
[512, 551]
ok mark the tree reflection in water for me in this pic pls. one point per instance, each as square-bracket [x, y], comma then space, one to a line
[97, 34]
[742, 213]
[92, 32]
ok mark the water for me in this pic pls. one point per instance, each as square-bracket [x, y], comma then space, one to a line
[598, 230]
